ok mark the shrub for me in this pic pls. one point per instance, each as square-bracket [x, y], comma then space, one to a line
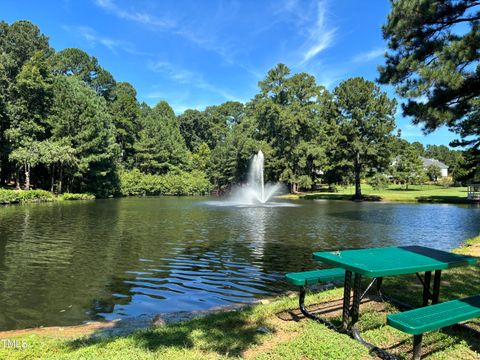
[71, 196]
[445, 181]
[16, 196]
[136, 183]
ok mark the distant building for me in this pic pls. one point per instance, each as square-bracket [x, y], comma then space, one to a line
[443, 168]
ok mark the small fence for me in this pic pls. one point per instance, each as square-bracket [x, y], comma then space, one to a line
[473, 192]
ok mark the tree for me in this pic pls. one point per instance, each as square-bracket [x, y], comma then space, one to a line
[408, 167]
[160, 147]
[289, 115]
[125, 112]
[195, 129]
[419, 148]
[27, 109]
[210, 126]
[434, 63]
[433, 172]
[76, 62]
[80, 120]
[231, 157]
[366, 121]
[56, 155]
[18, 44]
[455, 159]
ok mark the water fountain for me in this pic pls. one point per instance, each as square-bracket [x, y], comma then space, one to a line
[256, 190]
[255, 193]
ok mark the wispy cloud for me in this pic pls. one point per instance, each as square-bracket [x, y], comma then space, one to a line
[369, 55]
[191, 33]
[134, 15]
[187, 77]
[320, 37]
[93, 38]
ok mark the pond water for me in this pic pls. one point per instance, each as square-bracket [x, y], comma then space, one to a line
[65, 263]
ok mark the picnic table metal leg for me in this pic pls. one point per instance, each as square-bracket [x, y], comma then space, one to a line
[379, 285]
[436, 286]
[356, 298]
[426, 287]
[346, 299]
[417, 347]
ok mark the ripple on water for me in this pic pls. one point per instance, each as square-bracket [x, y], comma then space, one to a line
[127, 257]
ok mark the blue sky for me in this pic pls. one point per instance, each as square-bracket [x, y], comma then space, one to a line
[199, 53]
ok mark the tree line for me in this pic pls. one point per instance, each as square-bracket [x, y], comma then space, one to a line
[67, 125]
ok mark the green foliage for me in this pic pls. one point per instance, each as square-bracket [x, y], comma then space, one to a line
[77, 63]
[16, 196]
[135, 183]
[70, 196]
[434, 64]
[231, 157]
[366, 121]
[80, 119]
[125, 112]
[293, 115]
[433, 172]
[458, 167]
[160, 147]
[379, 181]
[408, 167]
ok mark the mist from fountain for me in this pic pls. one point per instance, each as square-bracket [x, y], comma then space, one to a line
[256, 190]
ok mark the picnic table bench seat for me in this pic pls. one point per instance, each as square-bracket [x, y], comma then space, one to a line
[313, 277]
[433, 317]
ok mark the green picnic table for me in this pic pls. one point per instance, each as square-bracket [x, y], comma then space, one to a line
[377, 263]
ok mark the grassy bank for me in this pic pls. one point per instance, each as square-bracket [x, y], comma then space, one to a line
[273, 331]
[8, 196]
[415, 193]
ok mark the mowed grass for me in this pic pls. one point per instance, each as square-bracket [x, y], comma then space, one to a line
[415, 193]
[256, 332]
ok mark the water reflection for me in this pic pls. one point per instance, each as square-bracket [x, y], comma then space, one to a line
[66, 263]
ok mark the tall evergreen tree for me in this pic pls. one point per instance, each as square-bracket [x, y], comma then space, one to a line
[434, 63]
[27, 109]
[160, 147]
[18, 44]
[80, 120]
[76, 62]
[125, 112]
[366, 121]
[290, 121]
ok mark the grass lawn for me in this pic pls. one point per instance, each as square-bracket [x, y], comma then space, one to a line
[415, 193]
[259, 332]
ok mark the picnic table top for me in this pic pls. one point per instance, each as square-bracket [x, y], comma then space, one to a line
[378, 262]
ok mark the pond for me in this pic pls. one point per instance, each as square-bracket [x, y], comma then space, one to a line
[65, 263]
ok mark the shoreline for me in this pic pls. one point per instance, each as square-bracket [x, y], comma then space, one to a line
[20, 197]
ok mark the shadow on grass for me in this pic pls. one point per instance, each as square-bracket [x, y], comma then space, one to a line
[444, 199]
[226, 333]
[340, 197]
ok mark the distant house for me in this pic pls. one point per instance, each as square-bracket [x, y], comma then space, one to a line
[443, 168]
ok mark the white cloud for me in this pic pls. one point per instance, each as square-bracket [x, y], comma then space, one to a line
[191, 33]
[94, 38]
[136, 16]
[370, 55]
[320, 35]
